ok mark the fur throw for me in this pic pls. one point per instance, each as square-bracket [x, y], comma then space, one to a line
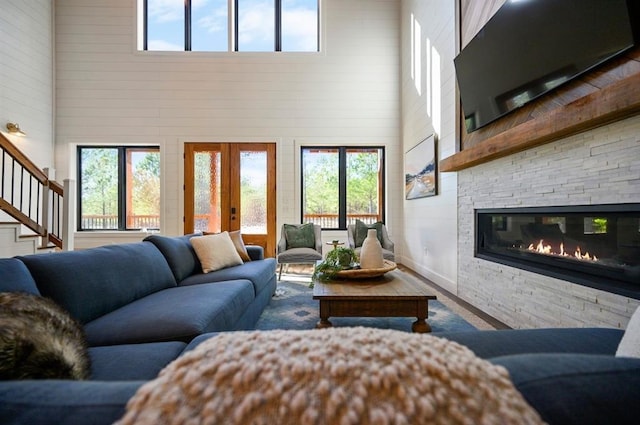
[39, 340]
[330, 376]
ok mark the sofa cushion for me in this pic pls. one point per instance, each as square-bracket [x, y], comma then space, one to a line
[493, 343]
[132, 362]
[16, 277]
[96, 281]
[216, 252]
[175, 314]
[258, 272]
[577, 388]
[630, 343]
[55, 402]
[179, 253]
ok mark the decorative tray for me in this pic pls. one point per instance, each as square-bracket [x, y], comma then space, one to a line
[357, 273]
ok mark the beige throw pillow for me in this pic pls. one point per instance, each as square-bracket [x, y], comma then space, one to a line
[215, 252]
[236, 238]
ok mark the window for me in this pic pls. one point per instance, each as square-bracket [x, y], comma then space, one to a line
[203, 25]
[341, 185]
[119, 188]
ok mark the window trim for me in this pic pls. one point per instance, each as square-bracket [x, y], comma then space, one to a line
[122, 184]
[342, 181]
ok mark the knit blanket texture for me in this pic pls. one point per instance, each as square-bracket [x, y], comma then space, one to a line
[330, 376]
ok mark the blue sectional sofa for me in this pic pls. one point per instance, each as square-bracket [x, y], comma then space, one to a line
[140, 305]
[570, 376]
[145, 304]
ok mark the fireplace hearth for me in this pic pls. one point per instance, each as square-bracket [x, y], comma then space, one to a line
[592, 245]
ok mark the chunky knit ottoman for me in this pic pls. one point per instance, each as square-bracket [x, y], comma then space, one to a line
[329, 376]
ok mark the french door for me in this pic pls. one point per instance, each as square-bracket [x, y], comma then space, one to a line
[231, 186]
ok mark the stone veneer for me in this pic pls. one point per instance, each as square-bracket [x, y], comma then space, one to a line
[601, 166]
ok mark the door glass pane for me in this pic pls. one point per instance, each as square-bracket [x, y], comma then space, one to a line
[256, 25]
[143, 189]
[300, 25]
[320, 190]
[207, 192]
[165, 25]
[98, 188]
[253, 192]
[209, 26]
[364, 181]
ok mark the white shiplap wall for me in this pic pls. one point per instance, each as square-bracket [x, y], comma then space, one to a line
[26, 75]
[107, 92]
[428, 107]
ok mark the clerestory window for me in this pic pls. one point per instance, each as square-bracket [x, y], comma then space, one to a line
[203, 25]
[341, 185]
[118, 187]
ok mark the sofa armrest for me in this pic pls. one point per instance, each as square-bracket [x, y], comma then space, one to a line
[577, 389]
[494, 343]
[256, 252]
[43, 402]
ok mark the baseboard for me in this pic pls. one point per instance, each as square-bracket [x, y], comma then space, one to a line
[481, 314]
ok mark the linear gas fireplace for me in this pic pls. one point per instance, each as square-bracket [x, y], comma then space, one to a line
[592, 245]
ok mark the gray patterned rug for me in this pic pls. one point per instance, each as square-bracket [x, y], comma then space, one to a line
[294, 308]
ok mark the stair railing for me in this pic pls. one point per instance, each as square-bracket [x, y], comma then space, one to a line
[29, 195]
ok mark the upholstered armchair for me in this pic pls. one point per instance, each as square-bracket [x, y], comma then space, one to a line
[299, 244]
[356, 243]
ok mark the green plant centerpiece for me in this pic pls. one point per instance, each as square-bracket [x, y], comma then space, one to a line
[340, 258]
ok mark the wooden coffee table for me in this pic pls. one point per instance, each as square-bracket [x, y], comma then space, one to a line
[391, 295]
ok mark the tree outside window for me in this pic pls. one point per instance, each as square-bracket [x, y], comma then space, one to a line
[119, 188]
[341, 185]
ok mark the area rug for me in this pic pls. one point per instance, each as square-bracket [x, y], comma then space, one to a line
[294, 308]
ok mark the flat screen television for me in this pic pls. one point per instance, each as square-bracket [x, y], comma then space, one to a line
[530, 47]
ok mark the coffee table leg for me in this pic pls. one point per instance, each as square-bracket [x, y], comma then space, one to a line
[324, 316]
[421, 325]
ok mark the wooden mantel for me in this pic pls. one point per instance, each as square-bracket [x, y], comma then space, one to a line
[614, 102]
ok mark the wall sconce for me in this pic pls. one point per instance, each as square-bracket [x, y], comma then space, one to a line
[14, 129]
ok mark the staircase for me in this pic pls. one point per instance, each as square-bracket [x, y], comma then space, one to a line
[14, 242]
[35, 215]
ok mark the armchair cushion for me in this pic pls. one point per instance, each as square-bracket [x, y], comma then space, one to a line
[362, 229]
[299, 255]
[300, 235]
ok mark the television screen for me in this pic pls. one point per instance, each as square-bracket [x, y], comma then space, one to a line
[530, 47]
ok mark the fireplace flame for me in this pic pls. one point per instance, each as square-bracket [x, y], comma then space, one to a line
[547, 249]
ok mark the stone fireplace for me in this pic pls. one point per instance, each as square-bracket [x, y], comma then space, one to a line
[577, 180]
[593, 245]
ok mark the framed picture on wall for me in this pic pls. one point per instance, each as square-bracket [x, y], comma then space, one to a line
[420, 170]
